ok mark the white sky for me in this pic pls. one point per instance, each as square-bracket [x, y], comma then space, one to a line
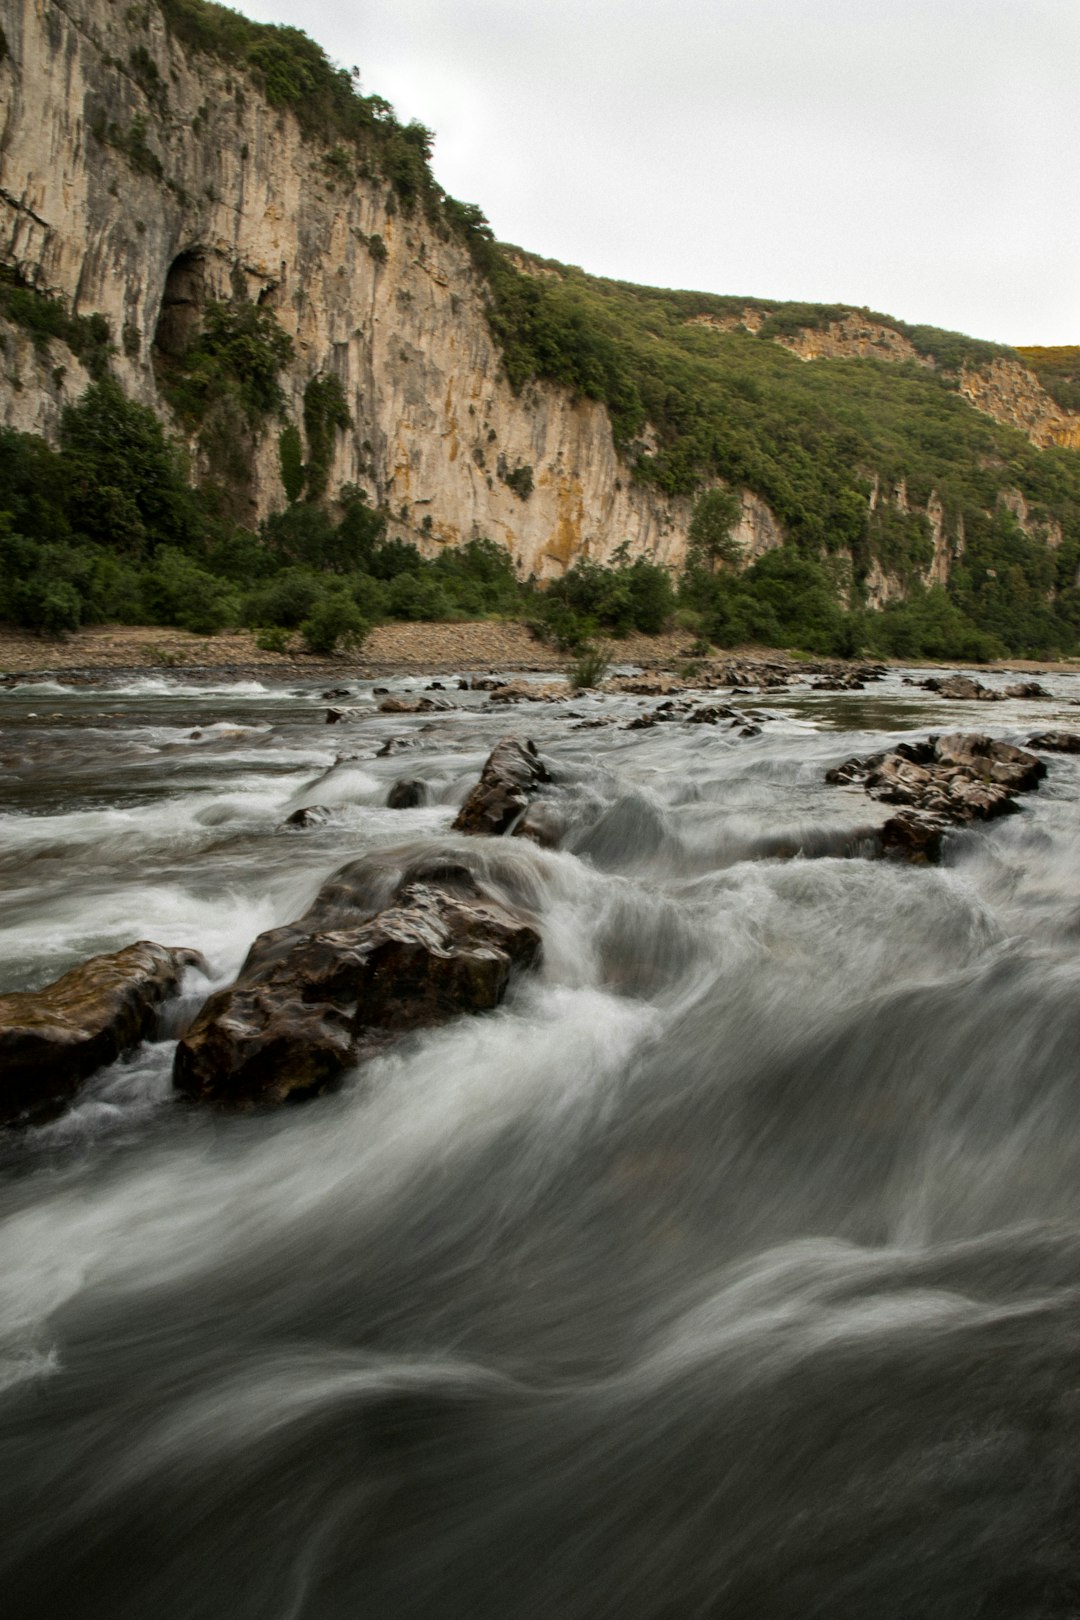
[917, 156]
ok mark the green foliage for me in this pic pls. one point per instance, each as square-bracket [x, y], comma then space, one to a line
[274, 640]
[295, 73]
[291, 462]
[131, 142]
[1059, 372]
[335, 624]
[590, 667]
[124, 483]
[238, 356]
[928, 625]
[145, 71]
[784, 600]
[716, 512]
[630, 596]
[900, 540]
[177, 591]
[45, 318]
[520, 480]
[326, 414]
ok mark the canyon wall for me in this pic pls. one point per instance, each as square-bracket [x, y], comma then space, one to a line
[140, 180]
[125, 196]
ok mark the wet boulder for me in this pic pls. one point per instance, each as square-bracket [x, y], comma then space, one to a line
[309, 815]
[406, 794]
[1056, 742]
[54, 1038]
[511, 775]
[322, 994]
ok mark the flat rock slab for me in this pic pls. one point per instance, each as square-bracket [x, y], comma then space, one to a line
[320, 995]
[508, 781]
[939, 784]
[53, 1039]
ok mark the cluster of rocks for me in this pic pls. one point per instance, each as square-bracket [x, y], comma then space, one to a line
[368, 961]
[705, 714]
[965, 689]
[940, 784]
[332, 989]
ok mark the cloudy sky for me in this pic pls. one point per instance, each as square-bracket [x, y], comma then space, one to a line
[918, 156]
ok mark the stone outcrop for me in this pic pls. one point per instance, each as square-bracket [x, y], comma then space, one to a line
[1056, 742]
[853, 337]
[511, 775]
[942, 783]
[324, 993]
[1010, 393]
[962, 688]
[53, 1039]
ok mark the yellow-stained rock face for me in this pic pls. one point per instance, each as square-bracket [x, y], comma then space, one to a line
[854, 337]
[1010, 393]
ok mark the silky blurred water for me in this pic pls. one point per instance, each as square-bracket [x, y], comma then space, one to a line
[732, 1268]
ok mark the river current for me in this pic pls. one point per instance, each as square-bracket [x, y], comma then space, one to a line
[731, 1268]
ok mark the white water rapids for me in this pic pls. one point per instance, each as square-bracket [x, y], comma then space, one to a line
[731, 1268]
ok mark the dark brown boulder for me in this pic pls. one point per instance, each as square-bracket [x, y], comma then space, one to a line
[309, 815]
[510, 777]
[406, 794]
[1056, 742]
[312, 1001]
[52, 1039]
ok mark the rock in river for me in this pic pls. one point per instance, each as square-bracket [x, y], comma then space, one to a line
[52, 1039]
[941, 783]
[321, 994]
[511, 775]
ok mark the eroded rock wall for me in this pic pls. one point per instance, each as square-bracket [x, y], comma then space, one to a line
[125, 193]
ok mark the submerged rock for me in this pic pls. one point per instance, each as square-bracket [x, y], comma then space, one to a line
[1027, 689]
[309, 815]
[510, 777]
[322, 994]
[406, 794]
[54, 1038]
[941, 783]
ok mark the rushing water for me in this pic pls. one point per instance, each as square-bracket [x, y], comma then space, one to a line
[731, 1269]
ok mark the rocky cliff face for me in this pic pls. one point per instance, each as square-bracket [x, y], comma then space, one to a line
[142, 194]
[141, 181]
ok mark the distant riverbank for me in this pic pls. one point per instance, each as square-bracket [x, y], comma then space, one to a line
[430, 648]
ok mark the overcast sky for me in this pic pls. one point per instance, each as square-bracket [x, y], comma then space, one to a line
[918, 156]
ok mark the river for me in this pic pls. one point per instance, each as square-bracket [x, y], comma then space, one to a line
[731, 1268]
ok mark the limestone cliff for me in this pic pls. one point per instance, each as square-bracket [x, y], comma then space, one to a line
[142, 181]
[142, 195]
